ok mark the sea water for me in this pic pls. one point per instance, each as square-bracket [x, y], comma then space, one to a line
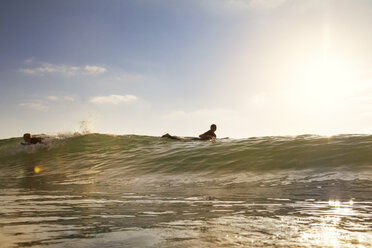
[136, 191]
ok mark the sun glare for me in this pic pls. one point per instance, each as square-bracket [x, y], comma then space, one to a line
[327, 84]
[328, 81]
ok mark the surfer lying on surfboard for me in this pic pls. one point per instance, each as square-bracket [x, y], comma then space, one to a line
[29, 140]
[205, 136]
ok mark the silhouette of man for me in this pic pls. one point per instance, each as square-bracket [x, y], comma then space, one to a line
[209, 134]
[205, 136]
[29, 140]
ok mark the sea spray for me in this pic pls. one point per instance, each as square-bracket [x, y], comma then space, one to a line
[87, 126]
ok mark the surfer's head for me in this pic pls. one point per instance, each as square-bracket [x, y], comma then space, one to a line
[213, 127]
[27, 137]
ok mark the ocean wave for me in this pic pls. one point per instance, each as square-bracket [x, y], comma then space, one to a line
[128, 154]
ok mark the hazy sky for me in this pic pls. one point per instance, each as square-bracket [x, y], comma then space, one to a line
[253, 67]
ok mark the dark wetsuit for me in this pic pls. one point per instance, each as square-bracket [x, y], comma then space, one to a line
[36, 140]
[210, 132]
[33, 141]
[207, 135]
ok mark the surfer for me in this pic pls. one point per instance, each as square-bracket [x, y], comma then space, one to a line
[209, 134]
[29, 140]
[205, 136]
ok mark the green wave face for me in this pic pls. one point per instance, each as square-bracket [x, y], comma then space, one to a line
[131, 154]
[135, 191]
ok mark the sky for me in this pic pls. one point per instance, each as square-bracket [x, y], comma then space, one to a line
[150, 67]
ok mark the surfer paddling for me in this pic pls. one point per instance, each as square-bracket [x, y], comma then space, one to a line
[29, 140]
[210, 134]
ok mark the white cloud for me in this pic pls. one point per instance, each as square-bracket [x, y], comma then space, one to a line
[61, 98]
[29, 71]
[65, 70]
[52, 98]
[113, 99]
[36, 105]
[129, 77]
[45, 103]
[92, 69]
[68, 98]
